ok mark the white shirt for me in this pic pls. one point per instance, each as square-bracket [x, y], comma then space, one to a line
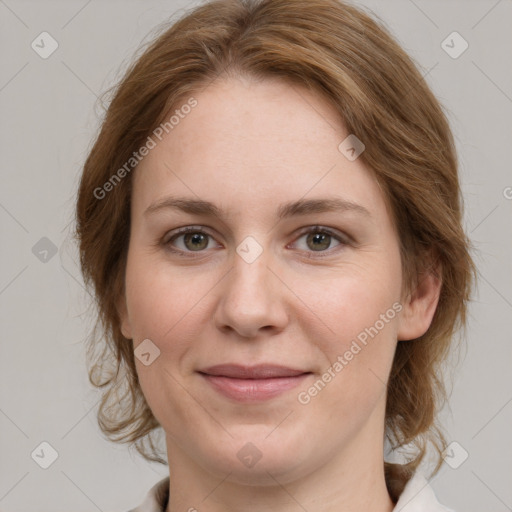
[417, 496]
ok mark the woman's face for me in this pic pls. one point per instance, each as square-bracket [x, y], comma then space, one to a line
[291, 263]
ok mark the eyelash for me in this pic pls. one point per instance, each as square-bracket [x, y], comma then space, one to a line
[343, 240]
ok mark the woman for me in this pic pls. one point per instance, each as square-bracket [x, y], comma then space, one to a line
[270, 218]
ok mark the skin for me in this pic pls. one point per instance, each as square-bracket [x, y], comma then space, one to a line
[248, 147]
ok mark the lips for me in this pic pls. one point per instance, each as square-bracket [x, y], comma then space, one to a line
[252, 383]
[262, 371]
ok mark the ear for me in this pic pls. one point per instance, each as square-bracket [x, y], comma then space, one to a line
[420, 305]
[122, 311]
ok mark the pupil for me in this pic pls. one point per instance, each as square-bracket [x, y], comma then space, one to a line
[319, 237]
[196, 239]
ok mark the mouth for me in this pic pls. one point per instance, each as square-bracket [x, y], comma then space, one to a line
[252, 383]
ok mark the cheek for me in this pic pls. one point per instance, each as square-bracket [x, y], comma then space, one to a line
[147, 296]
[347, 301]
[165, 305]
[353, 319]
[166, 308]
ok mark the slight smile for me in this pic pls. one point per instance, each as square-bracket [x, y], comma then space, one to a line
[252, 383]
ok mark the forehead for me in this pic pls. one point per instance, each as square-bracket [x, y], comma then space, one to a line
[248, 144]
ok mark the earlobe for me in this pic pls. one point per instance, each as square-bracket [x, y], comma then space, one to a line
[420, 305]
[124, 321]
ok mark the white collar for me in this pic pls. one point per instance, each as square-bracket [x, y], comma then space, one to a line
[418, 496]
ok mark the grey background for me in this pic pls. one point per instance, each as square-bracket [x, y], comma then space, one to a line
[49, 115]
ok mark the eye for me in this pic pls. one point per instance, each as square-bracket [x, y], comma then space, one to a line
[188, 239]
[319, 239]
[193, 239]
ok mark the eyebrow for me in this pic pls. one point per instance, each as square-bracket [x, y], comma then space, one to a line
[286, 210]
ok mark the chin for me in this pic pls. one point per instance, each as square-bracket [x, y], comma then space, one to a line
[258, 460]
[281, 469]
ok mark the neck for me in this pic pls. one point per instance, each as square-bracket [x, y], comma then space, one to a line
[352, 480]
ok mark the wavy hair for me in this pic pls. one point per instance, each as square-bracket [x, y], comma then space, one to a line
[344, 54]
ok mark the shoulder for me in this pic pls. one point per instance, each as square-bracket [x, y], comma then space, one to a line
[156, 498]
[418, 496]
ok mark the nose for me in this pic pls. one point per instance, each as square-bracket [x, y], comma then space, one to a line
[252, 300]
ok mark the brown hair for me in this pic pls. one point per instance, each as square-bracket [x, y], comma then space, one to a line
[341, 53]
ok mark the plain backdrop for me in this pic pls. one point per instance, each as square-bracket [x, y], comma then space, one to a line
[49, 116]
